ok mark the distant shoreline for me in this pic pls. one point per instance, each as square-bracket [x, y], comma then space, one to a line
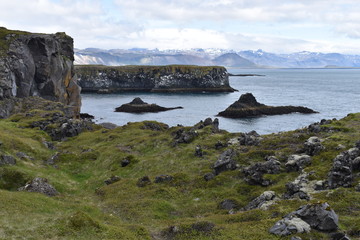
[245, 75]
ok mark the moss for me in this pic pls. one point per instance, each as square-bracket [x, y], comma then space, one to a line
[12, 179]
[5, 39]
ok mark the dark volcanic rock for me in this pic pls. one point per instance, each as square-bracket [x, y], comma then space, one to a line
[341, 173]
[39, 65]
[260, 200]
[155, 126]
[249, 139]
[318, 216]
[247, 106]
[172, 78]
[112, 180]
[225, 162]
[254, 173]
[198, 151]
[40, 185]
[163, 178]
[142, 182]
[297, 162]
[312, 146]
[7, 160]
[182, 136]
[228, 204]
[139, 106]
[209, 176]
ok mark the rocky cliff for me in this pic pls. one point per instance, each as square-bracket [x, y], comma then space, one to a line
[38, 65]
[171, 78]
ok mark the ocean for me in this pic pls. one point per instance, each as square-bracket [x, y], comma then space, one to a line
[332, 92]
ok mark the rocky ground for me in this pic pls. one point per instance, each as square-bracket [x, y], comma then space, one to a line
[62, 178]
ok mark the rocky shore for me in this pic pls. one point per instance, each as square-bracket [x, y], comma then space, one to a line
[247, 106]
[172, 78]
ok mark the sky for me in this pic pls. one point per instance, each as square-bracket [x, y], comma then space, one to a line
[278, 26]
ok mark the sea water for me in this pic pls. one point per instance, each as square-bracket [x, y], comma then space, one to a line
[332, 92]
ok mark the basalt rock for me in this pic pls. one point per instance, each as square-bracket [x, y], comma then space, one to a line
[297, 162]
[40, 185]
[163, 178]
[290, 225]
[261, 201]
[139, 106]
[341, 173]
[38, 65]
[254, 173]
[319, 126]
[7, 160]
[184, 136]
[225, 162]
[312, 146]
[247, 106]
[172, 78]
[249, 139]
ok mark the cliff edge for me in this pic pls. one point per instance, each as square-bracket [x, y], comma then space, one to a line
[34, 64]
[171, 78]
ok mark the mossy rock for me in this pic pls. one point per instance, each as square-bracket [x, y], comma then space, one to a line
[11, 179]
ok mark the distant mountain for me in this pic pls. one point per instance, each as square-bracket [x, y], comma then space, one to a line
[214, 56]
[233, 60]
[301, 59]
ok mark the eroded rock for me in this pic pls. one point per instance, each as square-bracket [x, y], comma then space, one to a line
[7, 160]
[254, 173]
[40, 185]
[261, 201]
[225, 162]
[297, 162]
[312, 146]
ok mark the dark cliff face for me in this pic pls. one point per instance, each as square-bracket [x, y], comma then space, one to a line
[95, 78]
[39, 65]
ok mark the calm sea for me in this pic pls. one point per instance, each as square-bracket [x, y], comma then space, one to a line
[332, 92]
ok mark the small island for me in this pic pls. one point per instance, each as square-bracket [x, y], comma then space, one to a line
[139, 106]
[248, 106]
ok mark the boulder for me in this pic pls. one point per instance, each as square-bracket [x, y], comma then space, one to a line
[249, 139]
[248, 106]
[312, 146]
[198, 151]
[228, 204]
[155, 126]
[319, 216]
[7, 160]
[182, 136]
[339, 236]
[318, 126]
[40, 185]
[139, 106]
[297, 162]
[261, 201]
[126, 161]
[341, 173]
[290, 225]
[163, 178]
[225, 162]
[209, 176]
[208, 122]
[254, 173]
[144, 181]
[112, 180]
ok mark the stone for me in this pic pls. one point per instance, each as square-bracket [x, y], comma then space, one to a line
[261, 200]
[126, 161]
[299, 188]
[52, 160]
[356, 164]
[40, 185]
[49, 145]
[318, 126]
[24, 156]
[339, 236]
[297, 162]
[248, 106]
[112, 180]
[198, 151]
[144, 181]
[209, 176]
[225, 162]
[163, 178]
[254, 173]
[219, 145]
[228, 204]
[340, 174]
[295, 238]
[290, 225]
[249, 139]
[7, 160]
[319, 216]
[208, 122]
[312, 146]
[182, 136]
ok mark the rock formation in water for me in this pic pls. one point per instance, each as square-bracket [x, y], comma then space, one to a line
[139, 106]
[247, 106]
[38, 65]
[172, 78]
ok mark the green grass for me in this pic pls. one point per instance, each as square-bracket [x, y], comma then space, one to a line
[86, 208]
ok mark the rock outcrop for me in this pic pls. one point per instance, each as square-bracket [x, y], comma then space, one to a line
[40, 185]
[139, 106]
[247, 106]
[38, 65]
[171, 78]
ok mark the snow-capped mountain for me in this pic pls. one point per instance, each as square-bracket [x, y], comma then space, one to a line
[214, 56]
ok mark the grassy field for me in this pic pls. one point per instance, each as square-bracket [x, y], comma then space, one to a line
[185, 208]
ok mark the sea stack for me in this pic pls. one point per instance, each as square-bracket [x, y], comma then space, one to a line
[139, 106]
[248, 106]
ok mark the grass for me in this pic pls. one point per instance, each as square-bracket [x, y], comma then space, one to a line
[87, 208]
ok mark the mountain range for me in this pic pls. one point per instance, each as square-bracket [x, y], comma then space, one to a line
[212, 56]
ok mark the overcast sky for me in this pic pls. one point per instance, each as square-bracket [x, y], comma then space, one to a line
[280, 26]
